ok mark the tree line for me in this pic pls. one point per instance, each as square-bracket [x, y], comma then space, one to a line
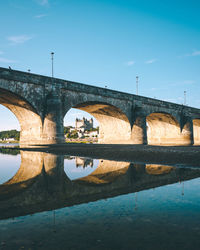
[10, 134]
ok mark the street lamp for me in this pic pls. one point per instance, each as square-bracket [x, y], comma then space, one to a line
[137, 85]
[184, 97]
[52, 54]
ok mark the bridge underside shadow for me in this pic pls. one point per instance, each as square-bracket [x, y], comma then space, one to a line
[164, 129]
[196, 128]
[30, 122]
[114, 126]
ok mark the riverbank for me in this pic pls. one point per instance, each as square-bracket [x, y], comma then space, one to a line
[172, 155]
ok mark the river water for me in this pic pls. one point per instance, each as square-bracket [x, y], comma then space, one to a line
[50, 201]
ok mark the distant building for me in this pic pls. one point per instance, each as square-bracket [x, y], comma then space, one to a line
[93, 133]
[84, 124]
[83, 129]
[71, 130]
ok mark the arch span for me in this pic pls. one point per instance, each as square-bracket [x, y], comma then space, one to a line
[114, 125]
[164, 129]
[29, 120]
[196, 129]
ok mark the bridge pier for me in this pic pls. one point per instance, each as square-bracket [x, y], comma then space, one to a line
[187, 132]
[139, 131]
[53, 131]
[31, 128]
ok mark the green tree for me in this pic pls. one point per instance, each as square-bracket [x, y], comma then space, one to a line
[10, 134]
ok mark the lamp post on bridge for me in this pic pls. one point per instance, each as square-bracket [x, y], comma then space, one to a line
[52, 55]
[137, 77]
[184, 97]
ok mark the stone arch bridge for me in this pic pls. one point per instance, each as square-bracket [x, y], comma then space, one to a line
[40, 104]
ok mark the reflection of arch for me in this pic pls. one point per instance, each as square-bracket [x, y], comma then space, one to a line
[30, 121]
[10, 164]
[164, 129]
[30, 168]
[106, 172]
[114, 125]
[58, 192]
[47, 168]
[196, 129]
[155, 169]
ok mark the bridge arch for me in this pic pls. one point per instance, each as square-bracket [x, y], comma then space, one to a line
[114, 125]
[164, 129]
[196, 129]
[29, 120]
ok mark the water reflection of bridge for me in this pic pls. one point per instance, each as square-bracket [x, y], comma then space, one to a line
[42, 184]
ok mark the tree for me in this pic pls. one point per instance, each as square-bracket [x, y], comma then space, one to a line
[10, 134]
[67, 129]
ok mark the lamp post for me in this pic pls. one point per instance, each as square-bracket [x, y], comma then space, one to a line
[137, 85]
[184, 97]
[52, 54]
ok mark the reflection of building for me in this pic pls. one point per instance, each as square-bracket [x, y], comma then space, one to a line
[69, 157]
[84, 124]
[84, 162]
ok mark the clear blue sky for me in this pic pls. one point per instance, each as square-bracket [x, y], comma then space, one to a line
[102, 43]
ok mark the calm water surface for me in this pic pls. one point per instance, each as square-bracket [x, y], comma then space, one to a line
[9, 144]
[50, 201]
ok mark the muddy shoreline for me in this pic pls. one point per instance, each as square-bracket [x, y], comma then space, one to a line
[174, 155]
